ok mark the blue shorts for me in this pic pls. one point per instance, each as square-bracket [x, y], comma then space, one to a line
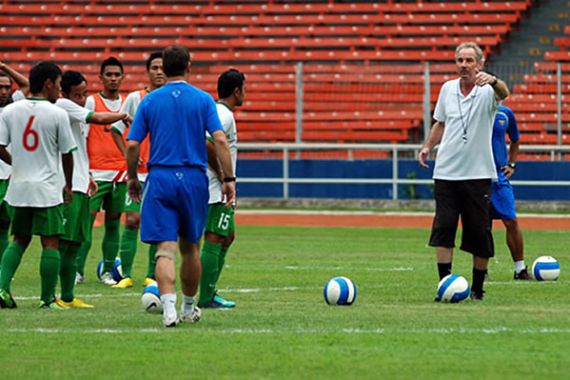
[175, 203]
[502, 199]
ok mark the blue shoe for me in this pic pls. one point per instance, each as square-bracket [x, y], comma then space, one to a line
[219, 303]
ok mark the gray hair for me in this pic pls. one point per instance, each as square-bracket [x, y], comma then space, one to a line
[472, 45]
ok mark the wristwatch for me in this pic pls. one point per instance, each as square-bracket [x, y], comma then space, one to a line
[494, 82]
[512, 165]
[229, 179]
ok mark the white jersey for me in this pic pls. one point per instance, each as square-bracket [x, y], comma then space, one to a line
[6, 169]
[78, 118]
[465, 151]
[229, 125]
[39, 132]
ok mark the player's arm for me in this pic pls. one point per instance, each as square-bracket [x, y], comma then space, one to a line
[433, 139]
[67, 161]
[5, 155]
[213, 159]
[119, 142]
[20, 79]
[134, 187]
[224, 156]
[108, 117]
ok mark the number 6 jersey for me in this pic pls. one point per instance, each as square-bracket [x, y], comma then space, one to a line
[38, 133]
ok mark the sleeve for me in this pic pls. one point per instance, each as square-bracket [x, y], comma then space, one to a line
[4, 131]
[18, 95]
[90, 103]
[128, 107]
[66, 142]
[139, 127]
[513, 129]
[439, 112]
[75, 112]
[213, 123]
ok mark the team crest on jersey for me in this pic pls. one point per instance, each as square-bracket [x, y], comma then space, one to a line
[176, 93]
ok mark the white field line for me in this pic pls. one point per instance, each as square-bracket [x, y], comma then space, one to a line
[395, 269]
[301, 331]
[378, 213]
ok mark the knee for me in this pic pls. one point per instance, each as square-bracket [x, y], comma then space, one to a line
[133, 221]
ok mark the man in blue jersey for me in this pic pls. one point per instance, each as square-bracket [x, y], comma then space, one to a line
[502, 196]
[176, 118]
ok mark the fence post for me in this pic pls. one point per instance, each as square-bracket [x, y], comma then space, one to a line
[427, 101]
[286, 172]
[299, 105]
[559, 104]
[394, 173]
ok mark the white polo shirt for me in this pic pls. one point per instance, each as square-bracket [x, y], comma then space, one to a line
[6, 169]
[465, 151]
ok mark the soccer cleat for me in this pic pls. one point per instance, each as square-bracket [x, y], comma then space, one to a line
[125, 283]
[219, 302]
[149, 281]
[79, 278]
[76, 303]
[6, 300]
[523, 275]
[193, 316]
[477, 296]
[107, 279]
[170, 320]
[52, 305]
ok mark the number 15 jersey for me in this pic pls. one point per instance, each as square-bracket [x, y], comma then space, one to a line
[38, 133]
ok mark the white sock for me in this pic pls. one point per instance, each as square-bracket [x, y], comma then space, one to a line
[519, 266]
[187, 304]
[168, 303]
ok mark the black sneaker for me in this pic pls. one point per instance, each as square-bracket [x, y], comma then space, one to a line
[523, 275]
[6, 300]
[477, 296]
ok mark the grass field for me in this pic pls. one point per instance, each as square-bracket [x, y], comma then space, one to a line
[283, 329]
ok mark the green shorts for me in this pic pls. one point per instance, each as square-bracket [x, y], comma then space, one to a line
[77, 218]
[46, 221]
[220, 219]
[130, 205]
[6, 211]
[111, 195]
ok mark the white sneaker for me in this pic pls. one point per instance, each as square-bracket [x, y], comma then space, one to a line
[170, 320]
[107, 279]
[79, 279]
[193, 316]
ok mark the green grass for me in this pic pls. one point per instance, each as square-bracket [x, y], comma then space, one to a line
[282, 328]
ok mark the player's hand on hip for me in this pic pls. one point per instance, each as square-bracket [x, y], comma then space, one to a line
[422, 157]
[229, 191]
[93, 187]
[67, 194]
[134, 189]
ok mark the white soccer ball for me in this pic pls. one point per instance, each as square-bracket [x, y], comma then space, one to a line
[340, 291]
[546, 268]
[453, 288]
[116, 272]
[151, 299]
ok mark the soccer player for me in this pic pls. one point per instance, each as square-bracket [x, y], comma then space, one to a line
[7, 96]
[502, 195]
[108, 168]
[176, 117]
[464, 167]
[129, 238]
[220, 226]
[76, 213]
[41, 145]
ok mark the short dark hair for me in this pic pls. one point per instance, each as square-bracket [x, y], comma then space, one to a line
[152, 57]
[42, 72]
[111, 61]
[175, 60]
[229, 81]
[71, 78]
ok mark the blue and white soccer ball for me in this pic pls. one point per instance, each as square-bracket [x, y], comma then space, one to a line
[116, 272]
[453, 288]
[546, 268]
[340, 291]
[151, 299]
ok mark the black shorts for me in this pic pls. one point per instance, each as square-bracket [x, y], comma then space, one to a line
[470, 199]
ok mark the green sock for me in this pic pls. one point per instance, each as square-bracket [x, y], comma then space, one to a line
[68, 266]
[10, 262]
[151, 261]
[49, 270]
[210, 261]
[110, 245]
[128, 249]
[3, 241]
[222, 261]
[84, 249]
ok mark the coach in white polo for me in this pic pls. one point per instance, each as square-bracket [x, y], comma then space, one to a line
[464, 166]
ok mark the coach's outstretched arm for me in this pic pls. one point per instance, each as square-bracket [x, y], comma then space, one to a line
[501, 90]
[433, 139]
[224, 156]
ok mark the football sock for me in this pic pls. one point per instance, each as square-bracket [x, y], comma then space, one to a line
[110, 245]
[168, 303]
[209, 258]
[49, 270]
[84, 249]
[187, 304]
[10, 262]
[68, 253]
[443, 269]
[151, 261]
[519, 266]
[3, 241]
[478, 279]
[222, 261]
[128, 249]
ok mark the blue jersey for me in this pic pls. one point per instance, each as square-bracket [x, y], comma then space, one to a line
[505, 123]
[176, 116]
